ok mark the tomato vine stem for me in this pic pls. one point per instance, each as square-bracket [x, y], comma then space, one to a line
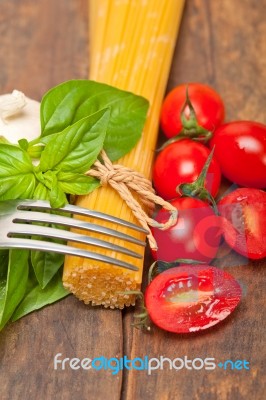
[191, 128]
[142, 320]
[197, 188]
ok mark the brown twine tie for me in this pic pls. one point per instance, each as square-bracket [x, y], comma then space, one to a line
[124, 180]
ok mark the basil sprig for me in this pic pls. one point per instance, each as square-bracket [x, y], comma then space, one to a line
[79, 118]
[73, 100]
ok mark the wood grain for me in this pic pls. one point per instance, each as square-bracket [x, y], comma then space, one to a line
[222, 43]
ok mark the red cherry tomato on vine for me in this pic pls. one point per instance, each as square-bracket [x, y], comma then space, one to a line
[196, 234]
[240, 149]
[191, 298]
[244, 212]
[207, 104]
[182, 162]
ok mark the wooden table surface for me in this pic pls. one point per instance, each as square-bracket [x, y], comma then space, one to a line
[222, 43]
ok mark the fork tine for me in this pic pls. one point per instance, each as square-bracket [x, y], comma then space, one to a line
[33, 216]
[63, 249]
[29, 229]
[45, 205]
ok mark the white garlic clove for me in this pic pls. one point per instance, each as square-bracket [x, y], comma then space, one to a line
[11, 104]
[19, 117]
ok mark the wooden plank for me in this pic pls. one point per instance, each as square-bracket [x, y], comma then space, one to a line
[221, 43]
[43, 43]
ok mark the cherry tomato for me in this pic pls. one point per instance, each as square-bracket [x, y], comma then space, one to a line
[196, 234]
[191, 298]
[240, 149]
[244, 211]
[207, 103]
[182, 162]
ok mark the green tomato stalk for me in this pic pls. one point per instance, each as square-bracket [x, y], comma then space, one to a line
[191, 128]
[197, 189]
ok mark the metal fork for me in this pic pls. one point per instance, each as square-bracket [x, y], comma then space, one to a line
[17, 219]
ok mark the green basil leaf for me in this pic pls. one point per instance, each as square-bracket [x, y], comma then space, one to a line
[3, 277]
[32, 280]
[35, 151]
[41, 192]
[46, 265]
[77, 147]
[3, 263]
[73, 100]
[48, 178]
[38, 297]
[57, 197]
[16, 284]
[23, 144]
[77, 184]
[48, 188]
[4, 140]
[17, 179]
[2, 296]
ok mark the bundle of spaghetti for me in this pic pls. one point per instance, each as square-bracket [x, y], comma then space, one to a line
[131, 47]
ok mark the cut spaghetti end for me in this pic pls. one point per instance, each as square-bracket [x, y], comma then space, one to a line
[100, 286]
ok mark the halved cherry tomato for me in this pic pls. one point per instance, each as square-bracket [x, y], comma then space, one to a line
[191, 298]
[182, 162]
[244, 212]
[240, 149]
[207, 104]
[196, 234]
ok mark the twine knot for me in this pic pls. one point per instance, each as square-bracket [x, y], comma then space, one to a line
[107, 176]
[126, 182]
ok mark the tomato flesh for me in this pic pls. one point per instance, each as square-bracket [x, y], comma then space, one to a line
[182, 162]
[196, 234]
[207, 103]
[240, 149]
[191, 298]
[244, 212]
